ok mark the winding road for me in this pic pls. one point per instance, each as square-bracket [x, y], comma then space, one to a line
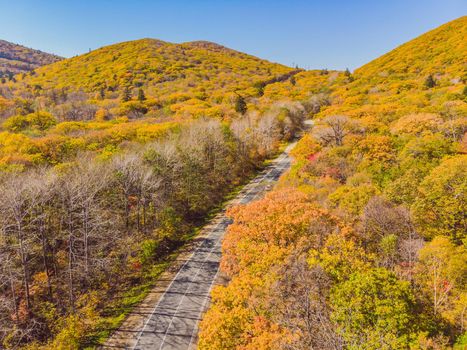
[172, 323]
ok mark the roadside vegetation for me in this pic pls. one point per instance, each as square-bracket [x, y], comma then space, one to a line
[85, 237]
[363, 244]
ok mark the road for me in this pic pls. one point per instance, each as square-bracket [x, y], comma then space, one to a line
[173, 322]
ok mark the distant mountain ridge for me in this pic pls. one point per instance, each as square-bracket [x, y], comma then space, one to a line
[151, 62]
[16, 59]
[197, 78]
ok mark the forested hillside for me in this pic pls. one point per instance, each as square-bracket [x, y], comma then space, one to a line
[16, 59]
[363, 245]
[110, 161]
[143, 77]
[128, 92]
[103, 178]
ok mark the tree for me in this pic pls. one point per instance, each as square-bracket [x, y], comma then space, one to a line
[388, 231]
[352, 199]
[430, 81]
[299, 303]
[417, 124]
[333, 129]
[374, 310]
[348, 75]
[339, 257]
[134, 181]
[441, 272]
[440, 206]
[126, 94]
[293, 81]
[240, 105]
[141, 95]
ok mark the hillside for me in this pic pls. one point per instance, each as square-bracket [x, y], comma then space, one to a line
[424, 73]
[16, 59]
[189, 79]
[363, 245]
[393, 84]
[111, 161]
[122, 92]
[440, 52]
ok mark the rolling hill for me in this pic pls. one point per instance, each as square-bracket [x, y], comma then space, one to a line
[422, 74]
[123, 92]
[105, 173]
[383, 173]
[193, 78]
[441, 52]
[393, 84]
[16, 59]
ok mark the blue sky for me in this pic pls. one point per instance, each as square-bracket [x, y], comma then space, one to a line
[312, 34]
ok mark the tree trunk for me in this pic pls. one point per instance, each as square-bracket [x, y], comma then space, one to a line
[24, 266]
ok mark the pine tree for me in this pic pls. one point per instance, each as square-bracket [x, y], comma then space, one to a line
[240, 105]
[141, 95]
[126, 94]
[430, 82]
[348, 75]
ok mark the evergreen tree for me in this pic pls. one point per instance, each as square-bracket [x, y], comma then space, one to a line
[126, 94]
[430, 82]
[240, 105]
[348, 75]
[141, 95]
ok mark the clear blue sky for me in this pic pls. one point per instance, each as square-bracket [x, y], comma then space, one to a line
[312, 34]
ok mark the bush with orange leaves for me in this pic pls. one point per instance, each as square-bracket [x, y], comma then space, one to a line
[258, 244]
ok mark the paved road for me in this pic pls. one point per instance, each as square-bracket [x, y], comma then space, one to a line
[173, 322]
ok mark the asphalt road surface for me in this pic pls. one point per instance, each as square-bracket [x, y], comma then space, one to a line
[173, 323]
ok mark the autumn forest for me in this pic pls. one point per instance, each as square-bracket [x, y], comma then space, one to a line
[112, 161]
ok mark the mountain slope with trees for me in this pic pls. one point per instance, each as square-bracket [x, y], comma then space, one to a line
[194, 78]
[125, 93]
[99, 192]
[363, 246]
[16, 59]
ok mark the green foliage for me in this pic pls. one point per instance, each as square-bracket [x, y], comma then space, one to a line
[442, 276]
[352, 198]
[374, 310]
[148, 251]
[430, 82]
[141, 95]
[39, 120]
[240, 105]
[340, 257]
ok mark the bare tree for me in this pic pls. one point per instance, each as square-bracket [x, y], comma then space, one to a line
[15, 220]
[382, 218]
[332, 130]
[315, 102]
[136, 182]
[299, 304]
